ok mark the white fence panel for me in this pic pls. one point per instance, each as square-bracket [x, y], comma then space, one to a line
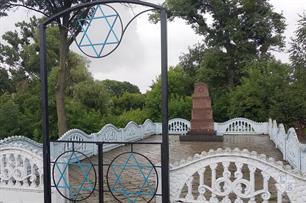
[288, 143]
[149, 128]
[280, 140]
[240, 126]
[109, 133]
[159, 128]
[74, 135]
[178, 126]
[209, 177]
[293, 151]
[132, 132]
[21, 173]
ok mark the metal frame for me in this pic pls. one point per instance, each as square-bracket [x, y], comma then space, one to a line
[90, 163]
[44, 94]
[149, 161]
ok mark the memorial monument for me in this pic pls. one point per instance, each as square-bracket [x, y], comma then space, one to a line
[202, 122]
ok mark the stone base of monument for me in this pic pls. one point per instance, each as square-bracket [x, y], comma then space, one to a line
[204, 136]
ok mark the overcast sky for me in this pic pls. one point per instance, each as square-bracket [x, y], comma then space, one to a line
[137, 59]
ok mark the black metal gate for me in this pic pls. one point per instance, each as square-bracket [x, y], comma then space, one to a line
[71, 157]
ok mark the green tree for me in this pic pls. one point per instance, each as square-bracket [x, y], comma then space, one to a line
[298, 46]
[9, 114]
[180, 89]
[117, 88]
[238, 30]
[297, 94]
[261, 91]
[127, 101]
[92, 94]
[4, 81]
[64, 24]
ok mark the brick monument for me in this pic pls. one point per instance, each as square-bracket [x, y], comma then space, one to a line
[202, 122]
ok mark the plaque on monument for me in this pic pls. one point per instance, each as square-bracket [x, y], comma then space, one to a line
[202, 122]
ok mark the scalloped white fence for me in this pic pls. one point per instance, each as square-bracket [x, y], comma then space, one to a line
[109, 133]
[241, 126]
[21, 158]
[217, 175]
[178, 126]
[21, 171]
[235, 126]
[288, 143]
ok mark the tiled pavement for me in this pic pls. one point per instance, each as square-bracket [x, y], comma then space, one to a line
[179, 150]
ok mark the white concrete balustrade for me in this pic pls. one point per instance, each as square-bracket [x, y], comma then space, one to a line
[21, 169]
[288, 143]
[178, 126]
[241, 126]
[227, 176]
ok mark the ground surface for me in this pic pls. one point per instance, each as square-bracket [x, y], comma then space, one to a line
[179, 150]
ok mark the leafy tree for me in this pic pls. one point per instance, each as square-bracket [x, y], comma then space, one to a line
[65, 23]
[298, 49]
[297, 94]
[20, 51]
[9, 114]
[136, 115]
[261, 91]
[128, 101]
[4, 81]
[241, 30]
[180, 88]
[92, 94]
[117, 88]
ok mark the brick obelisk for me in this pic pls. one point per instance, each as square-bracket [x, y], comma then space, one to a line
[202, 122]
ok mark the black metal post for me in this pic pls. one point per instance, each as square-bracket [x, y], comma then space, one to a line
[165, 138]
[45, 115]
[100, 172]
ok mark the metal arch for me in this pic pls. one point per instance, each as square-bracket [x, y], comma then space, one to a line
[123, 32]
[93, 3]
[164, 90]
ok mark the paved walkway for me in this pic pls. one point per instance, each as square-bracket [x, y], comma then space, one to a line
[181, 150]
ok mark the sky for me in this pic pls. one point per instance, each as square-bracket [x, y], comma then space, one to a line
[137, 59]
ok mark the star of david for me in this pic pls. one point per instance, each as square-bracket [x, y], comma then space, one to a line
[145, 171]
[85, 24]
[86, 185]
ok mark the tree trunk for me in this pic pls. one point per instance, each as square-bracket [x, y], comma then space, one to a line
[231, 76]
[61, 83]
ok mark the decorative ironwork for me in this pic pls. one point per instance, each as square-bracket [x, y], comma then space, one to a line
[144, 174]
[74, 190]
[99, 53]
[110, 34]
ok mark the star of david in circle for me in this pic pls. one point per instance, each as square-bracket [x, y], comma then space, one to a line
[101, 31]
[83, 186]
[131, 177]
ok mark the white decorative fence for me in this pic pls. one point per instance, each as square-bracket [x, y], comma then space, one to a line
[240, 126]
[109, 133]
[21, 171]
[21, 163]
[288, 143]
[178, 126]
[235, 126]
[215, 176]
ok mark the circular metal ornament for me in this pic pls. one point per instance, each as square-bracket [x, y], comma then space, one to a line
[81, 187]
[132, 177]
[101, 31]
